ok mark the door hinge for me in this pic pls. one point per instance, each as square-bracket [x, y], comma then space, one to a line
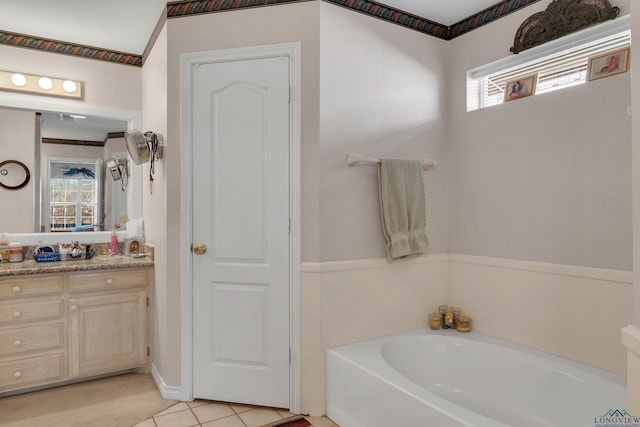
[147, 301]
[289, 94]
[191, 248]
[148, 351]
[289, 226]
[289, 355]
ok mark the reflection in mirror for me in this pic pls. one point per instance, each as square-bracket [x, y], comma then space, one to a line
[75, 194]
[21, 139]
[13, 174]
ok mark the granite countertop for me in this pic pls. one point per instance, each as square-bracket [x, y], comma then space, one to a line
[102, 262]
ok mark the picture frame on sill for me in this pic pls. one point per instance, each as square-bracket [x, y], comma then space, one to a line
[521, 87]
[609, 63]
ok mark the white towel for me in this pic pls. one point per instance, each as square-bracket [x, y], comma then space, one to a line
[403, 207]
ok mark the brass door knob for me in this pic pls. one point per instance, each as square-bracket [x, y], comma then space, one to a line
[200, 249]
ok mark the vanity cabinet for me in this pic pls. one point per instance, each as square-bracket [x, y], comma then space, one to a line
[107, 321]
[63, 327]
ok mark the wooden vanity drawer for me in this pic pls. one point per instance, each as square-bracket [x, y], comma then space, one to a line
[30, 286]
[107, 280]
[36, 338]
[31, 370]
[31, 311]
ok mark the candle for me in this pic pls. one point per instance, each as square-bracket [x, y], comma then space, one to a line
[464, 324]
[435, 320]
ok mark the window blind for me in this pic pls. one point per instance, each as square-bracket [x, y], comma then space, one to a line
[555, 71]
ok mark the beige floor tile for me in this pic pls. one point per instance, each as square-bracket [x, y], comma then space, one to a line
[146, 423]
[177, 419]
[199, 402]
[284, 413]
[180, 406]
[260, 416]
[240, 408]
[212, 411]
[232, 421]
[320, 421]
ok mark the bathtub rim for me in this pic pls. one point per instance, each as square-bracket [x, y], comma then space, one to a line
[377, 343]
[371, 360]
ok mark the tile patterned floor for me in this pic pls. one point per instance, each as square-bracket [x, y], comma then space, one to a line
[206, 413]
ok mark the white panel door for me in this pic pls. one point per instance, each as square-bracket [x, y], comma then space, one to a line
[240, 172]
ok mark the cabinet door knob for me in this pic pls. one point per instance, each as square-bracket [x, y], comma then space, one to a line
[17, 343]
[17, 314]
[109, 281]
[16, 289]
[73, 308]
[17, 374]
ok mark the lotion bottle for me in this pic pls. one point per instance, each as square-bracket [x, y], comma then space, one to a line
[114, 243]
[15, 251]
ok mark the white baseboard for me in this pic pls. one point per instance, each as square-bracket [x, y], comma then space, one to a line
[168, 392]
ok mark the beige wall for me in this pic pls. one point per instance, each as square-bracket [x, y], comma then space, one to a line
[166, 352]
[17, 141]
[546, 178]
[382, 94]
[574, 312]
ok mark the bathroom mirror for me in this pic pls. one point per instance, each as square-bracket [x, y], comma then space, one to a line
[27, 146]
[13, 174]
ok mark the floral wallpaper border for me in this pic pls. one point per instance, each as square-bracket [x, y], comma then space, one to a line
[183, 8]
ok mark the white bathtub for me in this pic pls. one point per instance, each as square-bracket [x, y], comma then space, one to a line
[446, 378]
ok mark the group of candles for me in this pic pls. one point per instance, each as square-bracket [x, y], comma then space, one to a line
[449, 318]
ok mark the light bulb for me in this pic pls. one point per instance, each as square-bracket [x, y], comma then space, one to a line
[45, 83]
[18, 80]
[69, 86]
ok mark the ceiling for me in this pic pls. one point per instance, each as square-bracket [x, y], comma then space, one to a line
[127, 25]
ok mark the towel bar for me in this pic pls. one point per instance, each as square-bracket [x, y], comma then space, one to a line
[354, 159]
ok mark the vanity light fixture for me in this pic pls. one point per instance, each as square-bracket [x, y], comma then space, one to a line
[40, 85]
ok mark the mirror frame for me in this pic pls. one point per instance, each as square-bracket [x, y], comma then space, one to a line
[26, 178]
[54, 105]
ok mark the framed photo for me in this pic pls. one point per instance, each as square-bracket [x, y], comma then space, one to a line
[134, 247]
[609, 64]
[520, 87]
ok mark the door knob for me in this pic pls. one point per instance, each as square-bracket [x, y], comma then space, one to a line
[200, 249]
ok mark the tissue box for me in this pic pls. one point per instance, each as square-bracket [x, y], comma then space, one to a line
[47, 257]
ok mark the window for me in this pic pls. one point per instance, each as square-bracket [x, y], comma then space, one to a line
[73, 194]
[73, 203]
[560, 65]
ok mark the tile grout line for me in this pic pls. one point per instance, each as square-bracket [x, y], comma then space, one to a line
[234, 414]
[194, 415]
